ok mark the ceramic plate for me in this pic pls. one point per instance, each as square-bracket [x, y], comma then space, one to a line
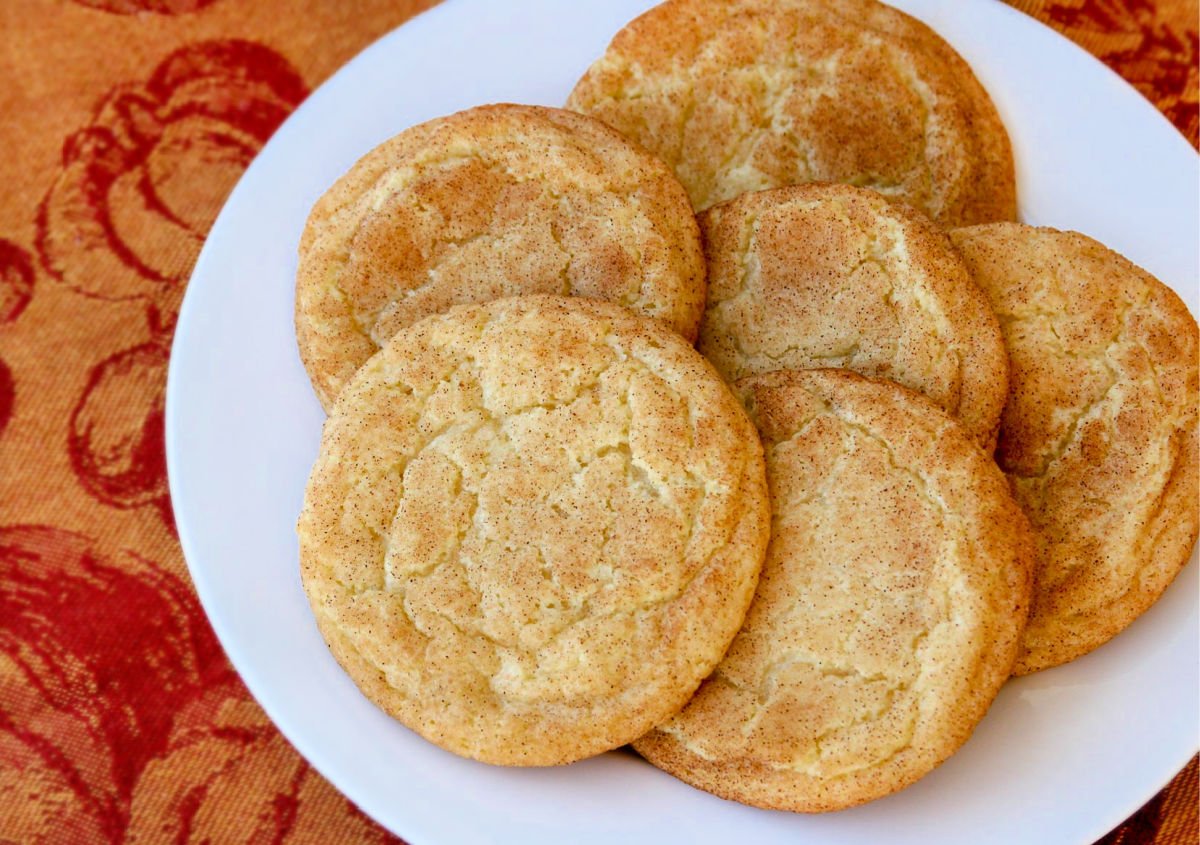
[1063, 756]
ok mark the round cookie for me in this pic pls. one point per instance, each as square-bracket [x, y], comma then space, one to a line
[826, 275]
[753, 94]
[534, 526]
[490, 202]
[1099, 436]
[888, 614]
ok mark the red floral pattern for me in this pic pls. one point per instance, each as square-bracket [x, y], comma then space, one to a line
[132, 7]
[124, 221]
[223, 751]
[16, 280]
[142, 184]
[97, 653]
[115, 439]
[7, 395]
[120, 720]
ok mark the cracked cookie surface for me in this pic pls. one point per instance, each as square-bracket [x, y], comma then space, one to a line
[491, 202]
[1099, 435]
[533, 527]
[888, 613]
[754, 94]
[825, 275]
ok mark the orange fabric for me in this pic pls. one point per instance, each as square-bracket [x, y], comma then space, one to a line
[126, 122]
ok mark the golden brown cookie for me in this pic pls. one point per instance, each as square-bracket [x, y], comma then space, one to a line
[534, 526]
[486, 203]
[753, 94]
[826, 275]
[1099, 436]
[888, 614]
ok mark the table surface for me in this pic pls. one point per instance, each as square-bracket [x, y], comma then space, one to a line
[126, 123]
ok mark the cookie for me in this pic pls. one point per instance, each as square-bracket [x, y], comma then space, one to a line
[754, 94]
[888, 614]
[1099, 435]
[533, 527]
[825, 275]
[486, 203]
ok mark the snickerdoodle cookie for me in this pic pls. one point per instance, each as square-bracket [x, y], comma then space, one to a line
[888, 614]
[534, 526]
[490, 202]
[753, 94]
[826, 275]
[1099, 436]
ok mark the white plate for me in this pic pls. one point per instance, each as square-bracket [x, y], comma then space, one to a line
[1062, 757]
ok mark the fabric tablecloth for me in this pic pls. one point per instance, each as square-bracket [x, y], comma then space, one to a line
[125, 125]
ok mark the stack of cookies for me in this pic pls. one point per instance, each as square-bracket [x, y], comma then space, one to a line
[729, 414]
